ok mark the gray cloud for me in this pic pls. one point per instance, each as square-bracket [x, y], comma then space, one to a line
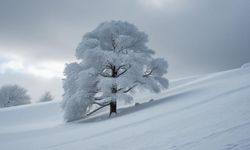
[35, 86]
[195, 36]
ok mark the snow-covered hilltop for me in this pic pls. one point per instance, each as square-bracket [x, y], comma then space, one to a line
[209, 112]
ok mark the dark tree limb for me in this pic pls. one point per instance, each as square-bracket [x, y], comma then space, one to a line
[100, 104]
[120, 67]
[136, 83]
[118, 75]
[98, 98]
[125, 69]
[96, 110]
[148, 73]
[119, 89]
[129, 89]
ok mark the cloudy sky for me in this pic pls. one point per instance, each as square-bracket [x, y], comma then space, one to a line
[37, 37]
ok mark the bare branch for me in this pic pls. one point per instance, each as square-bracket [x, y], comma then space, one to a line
[148, 73]
[119, 89]
[136, 83]
[98, 98]
[96, 110]
[120, 67]
[125, 66]
[100, 104]
[129, 89]
[125, 69]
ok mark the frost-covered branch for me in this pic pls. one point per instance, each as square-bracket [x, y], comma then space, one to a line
[130, 88]
[96, 110]
[114, 73]
[124, 69]
[100, 104]
[121, 73]
[148, 73]
[98, 98]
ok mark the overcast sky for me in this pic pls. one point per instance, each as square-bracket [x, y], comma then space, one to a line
[37, 37]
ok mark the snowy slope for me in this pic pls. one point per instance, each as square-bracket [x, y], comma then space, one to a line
[209, 112]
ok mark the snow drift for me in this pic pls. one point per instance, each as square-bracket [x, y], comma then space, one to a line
[246, 65]
[209, 112]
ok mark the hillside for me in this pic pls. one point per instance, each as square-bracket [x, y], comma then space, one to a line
[210, 112]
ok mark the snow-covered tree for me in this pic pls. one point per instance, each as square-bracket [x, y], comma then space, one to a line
[46, 97]
[12, 95]
[113, 60]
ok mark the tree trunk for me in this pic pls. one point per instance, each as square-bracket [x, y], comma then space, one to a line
[113, 107]
[113, 104]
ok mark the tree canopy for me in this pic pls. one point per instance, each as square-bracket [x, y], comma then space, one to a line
[112, 61]
[13, 95]
[46, 97]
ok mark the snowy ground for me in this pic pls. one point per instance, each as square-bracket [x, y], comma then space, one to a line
[209, 112]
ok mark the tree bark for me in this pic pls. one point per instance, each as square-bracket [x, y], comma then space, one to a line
[113, 107]
[113, 104]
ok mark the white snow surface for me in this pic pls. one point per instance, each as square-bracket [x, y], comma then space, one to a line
[209, 112]
[246, 65]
